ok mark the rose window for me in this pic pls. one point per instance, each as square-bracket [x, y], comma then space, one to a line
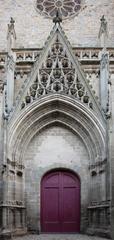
[66, 8]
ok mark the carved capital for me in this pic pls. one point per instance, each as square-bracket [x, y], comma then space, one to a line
[14, 203]
[98, 167]
[15, 164]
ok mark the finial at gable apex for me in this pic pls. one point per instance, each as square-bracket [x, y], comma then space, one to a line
[57, 18]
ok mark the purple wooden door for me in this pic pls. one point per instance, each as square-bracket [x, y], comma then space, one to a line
[60, 202]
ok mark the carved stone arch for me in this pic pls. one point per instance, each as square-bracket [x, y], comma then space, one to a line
[55, 117]
[52, 109]
[51, 122]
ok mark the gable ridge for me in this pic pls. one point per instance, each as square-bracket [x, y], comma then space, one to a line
[55, 77]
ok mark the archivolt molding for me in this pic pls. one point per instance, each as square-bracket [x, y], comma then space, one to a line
[62, 121]
[58, 116]
[54, 110]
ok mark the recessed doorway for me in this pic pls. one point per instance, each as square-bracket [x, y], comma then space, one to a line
[60, 202]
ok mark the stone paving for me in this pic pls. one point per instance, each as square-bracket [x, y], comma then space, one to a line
[58, 237]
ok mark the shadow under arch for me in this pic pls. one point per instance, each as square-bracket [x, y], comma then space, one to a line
[65, 125]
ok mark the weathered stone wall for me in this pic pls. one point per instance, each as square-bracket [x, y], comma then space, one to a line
[55, 147]
[0, 158]
[1, 148]
[111, 134]
[32, 28]
[1, 127]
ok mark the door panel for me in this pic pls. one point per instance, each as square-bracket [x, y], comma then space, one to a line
[60, 203]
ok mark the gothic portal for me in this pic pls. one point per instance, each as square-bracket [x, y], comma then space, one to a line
[56, 118]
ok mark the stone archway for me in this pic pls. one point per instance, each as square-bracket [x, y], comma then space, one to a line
[41, 115]
[62, 109]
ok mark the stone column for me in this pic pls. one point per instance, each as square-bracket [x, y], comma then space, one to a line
[104, 92]
[5, 234]
[112, 158]
[10, 66]
[104, 78]
[104, 64]
[8, 94]
[1, 150]
[10, 82]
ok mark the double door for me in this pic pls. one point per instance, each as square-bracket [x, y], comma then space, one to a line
[60, 203]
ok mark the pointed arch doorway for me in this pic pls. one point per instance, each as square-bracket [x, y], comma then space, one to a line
[60, 202]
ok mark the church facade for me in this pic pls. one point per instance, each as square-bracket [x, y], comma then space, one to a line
[56, 117]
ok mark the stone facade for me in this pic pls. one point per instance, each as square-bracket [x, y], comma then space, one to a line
[56, 112]
[82, 30]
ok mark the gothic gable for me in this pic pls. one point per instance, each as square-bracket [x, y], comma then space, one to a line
[57, 71]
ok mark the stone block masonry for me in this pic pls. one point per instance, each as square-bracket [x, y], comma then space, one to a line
[33, 30]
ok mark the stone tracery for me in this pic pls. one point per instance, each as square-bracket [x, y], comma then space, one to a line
[66, 8]
[57, 75]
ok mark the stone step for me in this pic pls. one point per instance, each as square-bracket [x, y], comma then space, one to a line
[58, 237]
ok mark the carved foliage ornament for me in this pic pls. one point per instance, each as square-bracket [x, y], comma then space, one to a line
[57, 75]
[66, 8]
